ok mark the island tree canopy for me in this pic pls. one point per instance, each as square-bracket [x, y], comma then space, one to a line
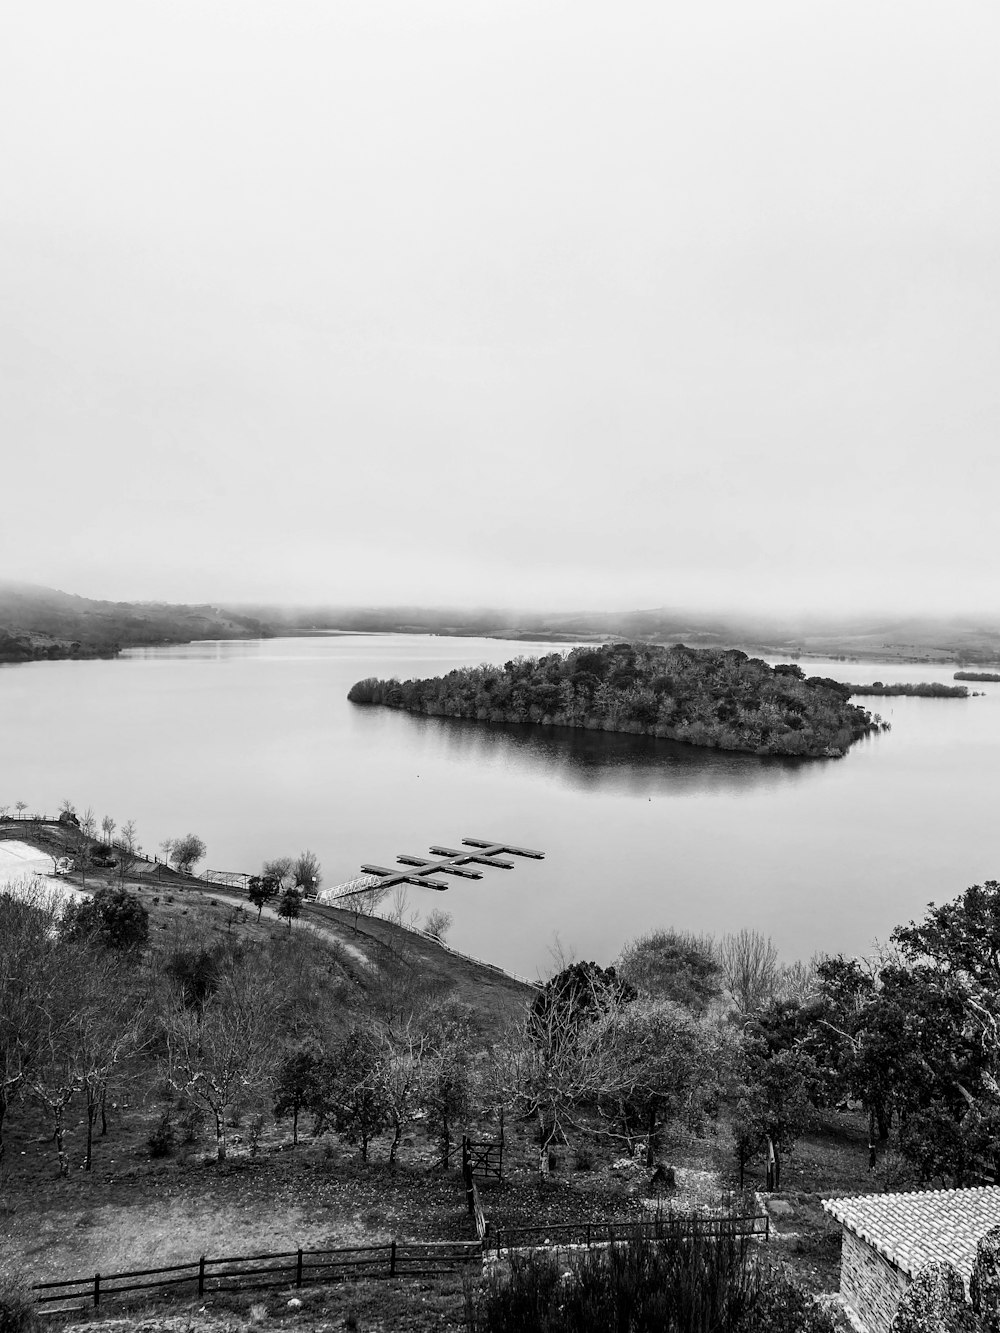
[722, 699]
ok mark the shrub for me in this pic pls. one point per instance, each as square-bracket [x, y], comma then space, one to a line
[192, 1122]
[781, 1306]
[583, 1158]
[255, 1130]
[17, 1309]
[163, 1138]
[691, 1285]
[114, 916]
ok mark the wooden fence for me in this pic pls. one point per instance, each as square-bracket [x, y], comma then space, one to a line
[290, 1268]
[663, 1227]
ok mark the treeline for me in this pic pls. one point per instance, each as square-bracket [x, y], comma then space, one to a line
[921, 689]
[97, 1009]
[977, 675]
[721, 699]
[912, 1035]
[218, 1029]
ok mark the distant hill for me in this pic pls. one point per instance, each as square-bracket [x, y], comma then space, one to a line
[38, 623]
[961, 640]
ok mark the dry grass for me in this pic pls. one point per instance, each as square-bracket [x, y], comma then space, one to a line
[416, 1306]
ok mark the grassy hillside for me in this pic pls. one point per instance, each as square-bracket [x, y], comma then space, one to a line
[38, 623]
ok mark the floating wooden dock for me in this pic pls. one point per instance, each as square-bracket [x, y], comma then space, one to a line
[498, 848]
[444, 861]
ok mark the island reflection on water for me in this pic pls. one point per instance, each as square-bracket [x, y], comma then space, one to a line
[598, 760]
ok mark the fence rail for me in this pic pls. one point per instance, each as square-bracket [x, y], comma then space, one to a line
[288, 1268]
[602, 1233]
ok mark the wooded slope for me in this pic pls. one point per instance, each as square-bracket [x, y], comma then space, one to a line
[38, 622]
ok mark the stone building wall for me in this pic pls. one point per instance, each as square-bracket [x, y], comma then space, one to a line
[871, 1285]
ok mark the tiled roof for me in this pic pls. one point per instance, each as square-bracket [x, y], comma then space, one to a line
[911, 1230]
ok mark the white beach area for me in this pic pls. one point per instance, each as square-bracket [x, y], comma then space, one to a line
[22, 864]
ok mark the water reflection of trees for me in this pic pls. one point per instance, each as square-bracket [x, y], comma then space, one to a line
[598, 760]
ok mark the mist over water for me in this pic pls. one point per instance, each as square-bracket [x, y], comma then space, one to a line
[255, 747]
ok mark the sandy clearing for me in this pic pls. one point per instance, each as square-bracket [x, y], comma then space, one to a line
[19, 860]
[24, 866]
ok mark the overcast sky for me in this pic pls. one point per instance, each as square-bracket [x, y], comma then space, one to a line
[517, 302]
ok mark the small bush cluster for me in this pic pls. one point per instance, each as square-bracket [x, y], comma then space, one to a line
[17, 1309]
[163, 1138]
[694, 1285]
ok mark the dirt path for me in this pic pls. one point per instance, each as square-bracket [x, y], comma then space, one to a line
[330, 935]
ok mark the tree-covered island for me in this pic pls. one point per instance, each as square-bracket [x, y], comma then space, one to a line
[921, 689]
[717, 698]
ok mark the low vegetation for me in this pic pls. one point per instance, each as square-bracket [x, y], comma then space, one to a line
[977, 675]
[721, 699]
[921, 689]
[695, 1285]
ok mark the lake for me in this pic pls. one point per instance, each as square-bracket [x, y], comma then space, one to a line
[254, 747]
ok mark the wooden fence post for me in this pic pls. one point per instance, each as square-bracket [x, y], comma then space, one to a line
[97, 1289]
[467, 1173]
[201, 1276]
[392, 1260]
[298, 1269]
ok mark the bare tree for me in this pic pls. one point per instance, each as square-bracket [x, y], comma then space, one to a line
[563, 1058]
[659, 1063]
[230, 1055]
[447, 1088]
[108, 1030]
[365, 898]
[127, 847]
[796, 981]
[20, 807]
[399, 1074]
[307, 873]
[399, 911]
[749, 963]
[27, 921]
[438, 923]
[57, 1075]
[280, 870]
[107, 827]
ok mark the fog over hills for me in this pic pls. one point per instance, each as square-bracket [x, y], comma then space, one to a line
[38, 622]
[915, 638]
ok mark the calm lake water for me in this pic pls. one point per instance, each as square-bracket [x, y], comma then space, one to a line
[255, 747]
